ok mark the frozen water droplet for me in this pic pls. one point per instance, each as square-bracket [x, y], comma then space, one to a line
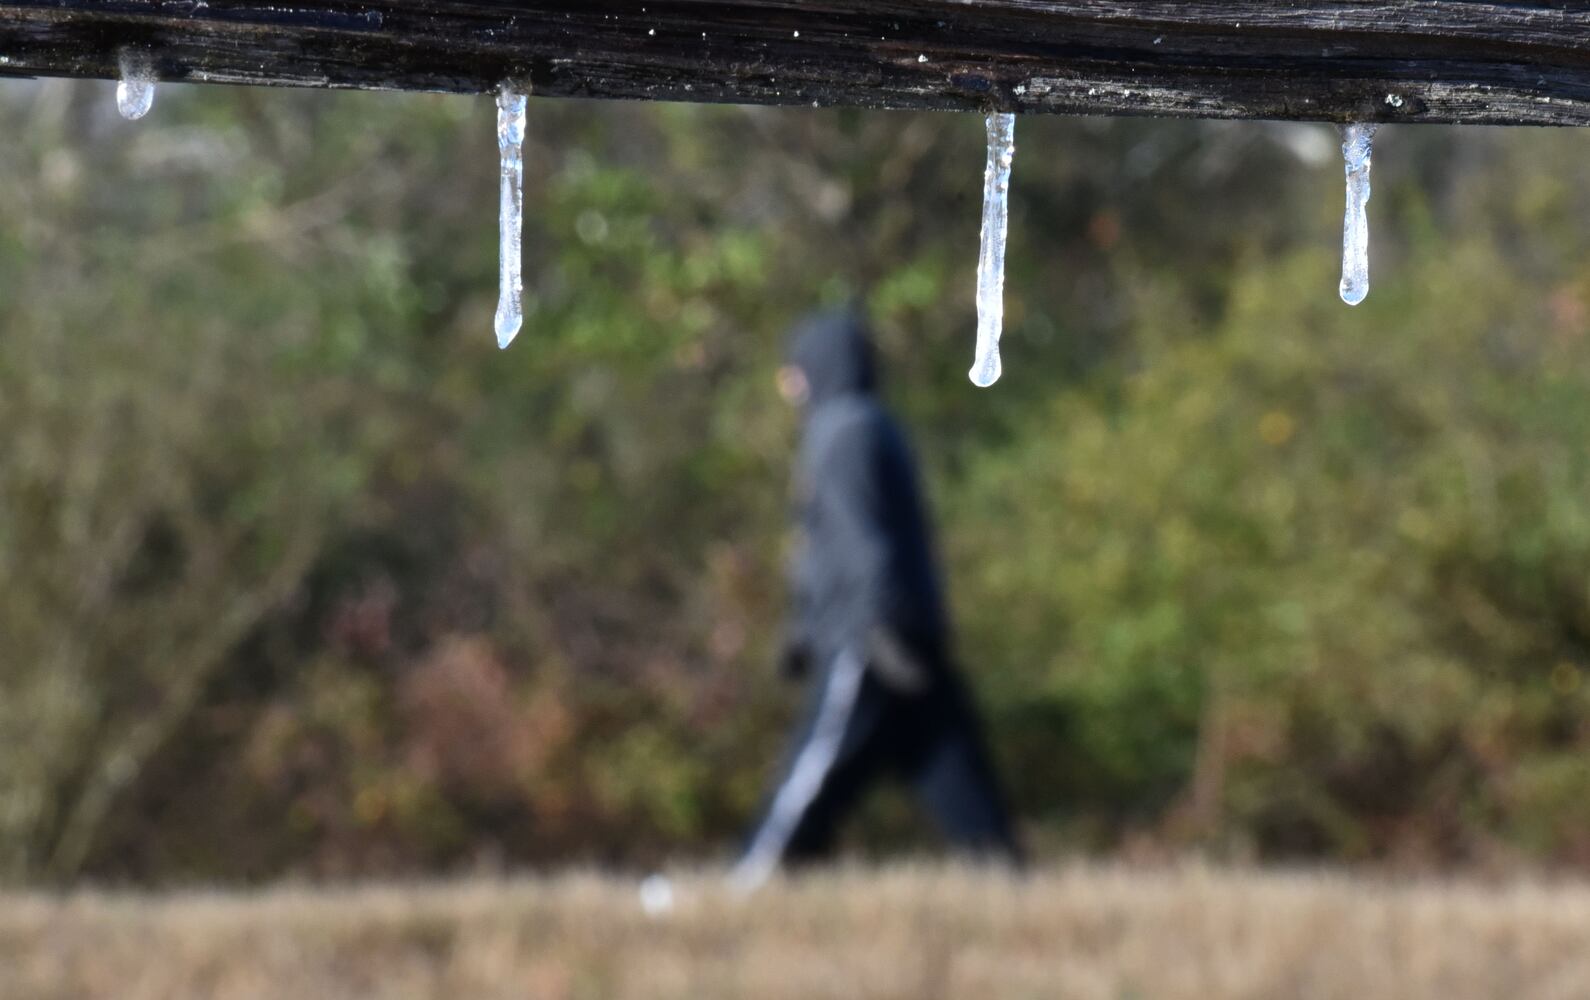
[135, 92]
[986, 367]
[510, 144]
[1357, 150]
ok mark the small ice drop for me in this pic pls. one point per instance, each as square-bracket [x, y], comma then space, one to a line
[135, 91]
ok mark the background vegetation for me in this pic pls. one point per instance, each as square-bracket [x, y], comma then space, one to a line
[1093, 932]
[299, 575]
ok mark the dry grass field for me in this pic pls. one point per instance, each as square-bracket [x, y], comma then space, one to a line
[1084, 932]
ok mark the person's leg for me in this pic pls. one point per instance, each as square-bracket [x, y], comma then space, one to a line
[835, 756]
[955, 779]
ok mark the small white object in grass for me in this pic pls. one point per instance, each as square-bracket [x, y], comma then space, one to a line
[135, 91]
[656, 895]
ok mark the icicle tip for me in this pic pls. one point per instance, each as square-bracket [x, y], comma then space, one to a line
[507, 328]
[986, 370]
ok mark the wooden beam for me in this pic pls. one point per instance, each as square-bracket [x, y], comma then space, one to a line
[1511, 63]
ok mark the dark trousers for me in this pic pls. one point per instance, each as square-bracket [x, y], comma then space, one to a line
[858, 730]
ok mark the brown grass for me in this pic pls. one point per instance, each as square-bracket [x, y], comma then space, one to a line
[1083, 932]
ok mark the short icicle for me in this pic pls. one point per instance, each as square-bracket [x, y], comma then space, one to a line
[986, 367]
[510, 142]
[135, 91]
[1357, 149]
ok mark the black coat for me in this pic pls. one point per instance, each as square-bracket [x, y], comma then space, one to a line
[865, 570]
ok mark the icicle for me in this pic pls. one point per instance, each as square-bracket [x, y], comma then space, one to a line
[510, 142]
[1357, 149]
[986, 367]
[135, 92]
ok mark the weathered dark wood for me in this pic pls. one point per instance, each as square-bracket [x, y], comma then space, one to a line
[1330, 60]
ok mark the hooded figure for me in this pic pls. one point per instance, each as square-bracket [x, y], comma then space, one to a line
[869, 623]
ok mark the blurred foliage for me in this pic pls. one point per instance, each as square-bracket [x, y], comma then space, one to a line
[298, 574]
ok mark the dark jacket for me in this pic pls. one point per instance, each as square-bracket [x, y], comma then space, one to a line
[865, 570]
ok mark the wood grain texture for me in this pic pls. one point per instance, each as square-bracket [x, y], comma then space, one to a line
[1321, 60]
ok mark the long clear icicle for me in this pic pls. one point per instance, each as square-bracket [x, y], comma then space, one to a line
[510, 143]
[986, 366]
[135, 91]
[1357, 150]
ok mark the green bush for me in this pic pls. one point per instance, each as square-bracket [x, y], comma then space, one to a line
[298, 574]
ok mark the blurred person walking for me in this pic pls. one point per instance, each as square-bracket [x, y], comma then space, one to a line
[868, 625]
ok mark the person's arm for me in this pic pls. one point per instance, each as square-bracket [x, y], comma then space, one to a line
[876, 490]
[894, 663]
[837, 560]
[794, 657]
[795, 647]
[853, 505]
[851, 510]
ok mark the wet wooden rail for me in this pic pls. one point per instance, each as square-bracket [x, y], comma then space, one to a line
[1323, 60]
